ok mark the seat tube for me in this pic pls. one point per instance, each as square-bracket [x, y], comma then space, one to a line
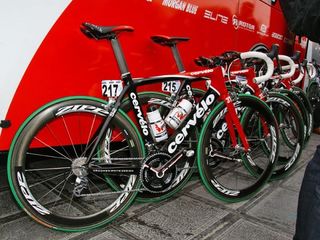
[177, 58]
[117, 50]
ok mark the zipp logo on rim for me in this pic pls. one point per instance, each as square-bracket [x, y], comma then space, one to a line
[124, 195]
[278, 100]
[82, 108]
[28, 196]
[142, 122]
[294, 157]
[201, 109]
[224, 190]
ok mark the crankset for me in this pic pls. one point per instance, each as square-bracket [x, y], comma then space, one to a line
[159, 170]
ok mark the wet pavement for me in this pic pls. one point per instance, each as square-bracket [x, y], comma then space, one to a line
[190, 214]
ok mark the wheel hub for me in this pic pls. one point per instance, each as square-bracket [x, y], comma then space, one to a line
[78, 167]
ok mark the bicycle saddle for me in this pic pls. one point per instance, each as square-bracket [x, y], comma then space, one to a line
[168, 41]
[103, 32]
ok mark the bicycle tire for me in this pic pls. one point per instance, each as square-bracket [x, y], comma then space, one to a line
[218, 177]
[50, 203]
[303, 111]
[304, 98]
[292, 145]
[313, 93]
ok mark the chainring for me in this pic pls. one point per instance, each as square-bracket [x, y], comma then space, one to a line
[150, 181]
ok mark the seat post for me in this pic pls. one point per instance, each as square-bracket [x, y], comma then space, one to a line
[117, 50]
[177, 58]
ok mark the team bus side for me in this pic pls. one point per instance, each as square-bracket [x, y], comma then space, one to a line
[44, 56]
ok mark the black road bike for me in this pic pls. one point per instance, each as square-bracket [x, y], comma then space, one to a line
[63, 155]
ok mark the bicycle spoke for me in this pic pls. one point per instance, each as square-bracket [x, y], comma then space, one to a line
[52, 149]
[67, 129]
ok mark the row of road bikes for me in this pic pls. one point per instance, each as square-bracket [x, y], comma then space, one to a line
[79, 162]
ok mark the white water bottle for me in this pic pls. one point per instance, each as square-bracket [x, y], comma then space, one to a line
[178, 114]
[157, 125]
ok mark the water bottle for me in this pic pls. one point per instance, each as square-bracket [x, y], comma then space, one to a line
[157, 125]
[178, 114]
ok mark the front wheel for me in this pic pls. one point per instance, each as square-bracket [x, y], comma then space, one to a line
[225, 169]
[47, 168]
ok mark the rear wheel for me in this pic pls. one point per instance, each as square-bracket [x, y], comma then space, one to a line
[47, 171]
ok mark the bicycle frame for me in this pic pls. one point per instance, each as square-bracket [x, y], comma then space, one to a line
[216, 92]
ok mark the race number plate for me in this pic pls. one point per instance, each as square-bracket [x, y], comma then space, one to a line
[111, 88]
[170, 86]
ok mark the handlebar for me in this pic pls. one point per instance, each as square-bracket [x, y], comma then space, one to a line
[291, 66]
[300, 77]
[301, 74]
[266, 59]
[312, 71]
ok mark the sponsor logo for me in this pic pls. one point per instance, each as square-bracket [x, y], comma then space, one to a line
[181, 5]
[28, 196]
[142, 122]
[196, 73]
[294, 157]
[263, 30]
[160, 127]
[82, 108]
[215, 17]
[201, 109]
[242, 24]
[277, 36]
[274, 144]
[106, 156]
[223, 189]
[123, 196]
[217, 119]
[181, 176]
[235, 21]
[278, 100]
[310, 124]
[223, 129]
[239, 72]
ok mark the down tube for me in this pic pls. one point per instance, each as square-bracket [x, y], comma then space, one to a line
[194, 119]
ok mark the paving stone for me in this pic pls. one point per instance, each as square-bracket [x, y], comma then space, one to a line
[7, 205]
[245, 230]
[294, 181]
[135, 208]
[27, 229]
[280, 207]
[182, 218]
[107, 235]
[202, 192]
